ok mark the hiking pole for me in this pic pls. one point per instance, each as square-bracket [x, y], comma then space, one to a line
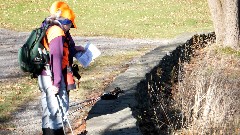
[64, 116]
[58, 99]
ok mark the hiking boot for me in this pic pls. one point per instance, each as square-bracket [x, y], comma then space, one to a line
[48, 131]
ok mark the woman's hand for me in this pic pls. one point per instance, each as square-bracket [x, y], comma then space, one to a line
[54, 89]
[80, 48]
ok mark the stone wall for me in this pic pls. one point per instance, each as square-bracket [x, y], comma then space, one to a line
[156, 114]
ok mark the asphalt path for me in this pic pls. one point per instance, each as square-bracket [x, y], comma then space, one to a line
[11, 41]
[28, 118]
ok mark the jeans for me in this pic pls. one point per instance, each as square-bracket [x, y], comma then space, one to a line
[53, 108]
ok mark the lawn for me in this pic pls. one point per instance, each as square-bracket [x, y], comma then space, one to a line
[115, 18]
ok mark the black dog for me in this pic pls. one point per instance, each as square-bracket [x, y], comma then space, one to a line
[112, 95]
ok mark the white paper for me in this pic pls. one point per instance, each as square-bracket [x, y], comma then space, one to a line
[85, 58]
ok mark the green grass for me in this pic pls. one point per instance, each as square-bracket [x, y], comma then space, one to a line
[116, 18]
[230, 51]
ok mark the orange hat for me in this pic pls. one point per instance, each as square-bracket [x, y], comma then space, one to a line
[66, 12]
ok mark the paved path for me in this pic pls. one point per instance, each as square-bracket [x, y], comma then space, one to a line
[106, 117]
[117, 117]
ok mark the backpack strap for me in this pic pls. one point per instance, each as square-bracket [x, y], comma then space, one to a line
[51, 33]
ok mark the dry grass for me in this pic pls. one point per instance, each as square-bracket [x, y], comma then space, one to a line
[209, 94]
[95, 78]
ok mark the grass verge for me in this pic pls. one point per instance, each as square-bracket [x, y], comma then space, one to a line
[13, 95]
[103, 71]
[95, 78]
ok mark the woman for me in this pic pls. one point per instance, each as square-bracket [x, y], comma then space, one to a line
[56, 80]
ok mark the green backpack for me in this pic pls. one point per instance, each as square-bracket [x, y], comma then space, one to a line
[32, 56]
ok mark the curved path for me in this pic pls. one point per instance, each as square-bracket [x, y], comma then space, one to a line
[116, 117]
[105, 117]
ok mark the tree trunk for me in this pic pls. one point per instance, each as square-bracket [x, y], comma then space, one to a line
[225, 16]
[216, 10]
[232, 24]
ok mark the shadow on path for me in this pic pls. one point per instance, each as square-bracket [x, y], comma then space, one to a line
[147, 104]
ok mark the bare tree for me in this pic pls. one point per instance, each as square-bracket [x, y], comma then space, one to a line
[225, 16]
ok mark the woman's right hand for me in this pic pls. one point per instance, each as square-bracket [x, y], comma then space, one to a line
[54, 89]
